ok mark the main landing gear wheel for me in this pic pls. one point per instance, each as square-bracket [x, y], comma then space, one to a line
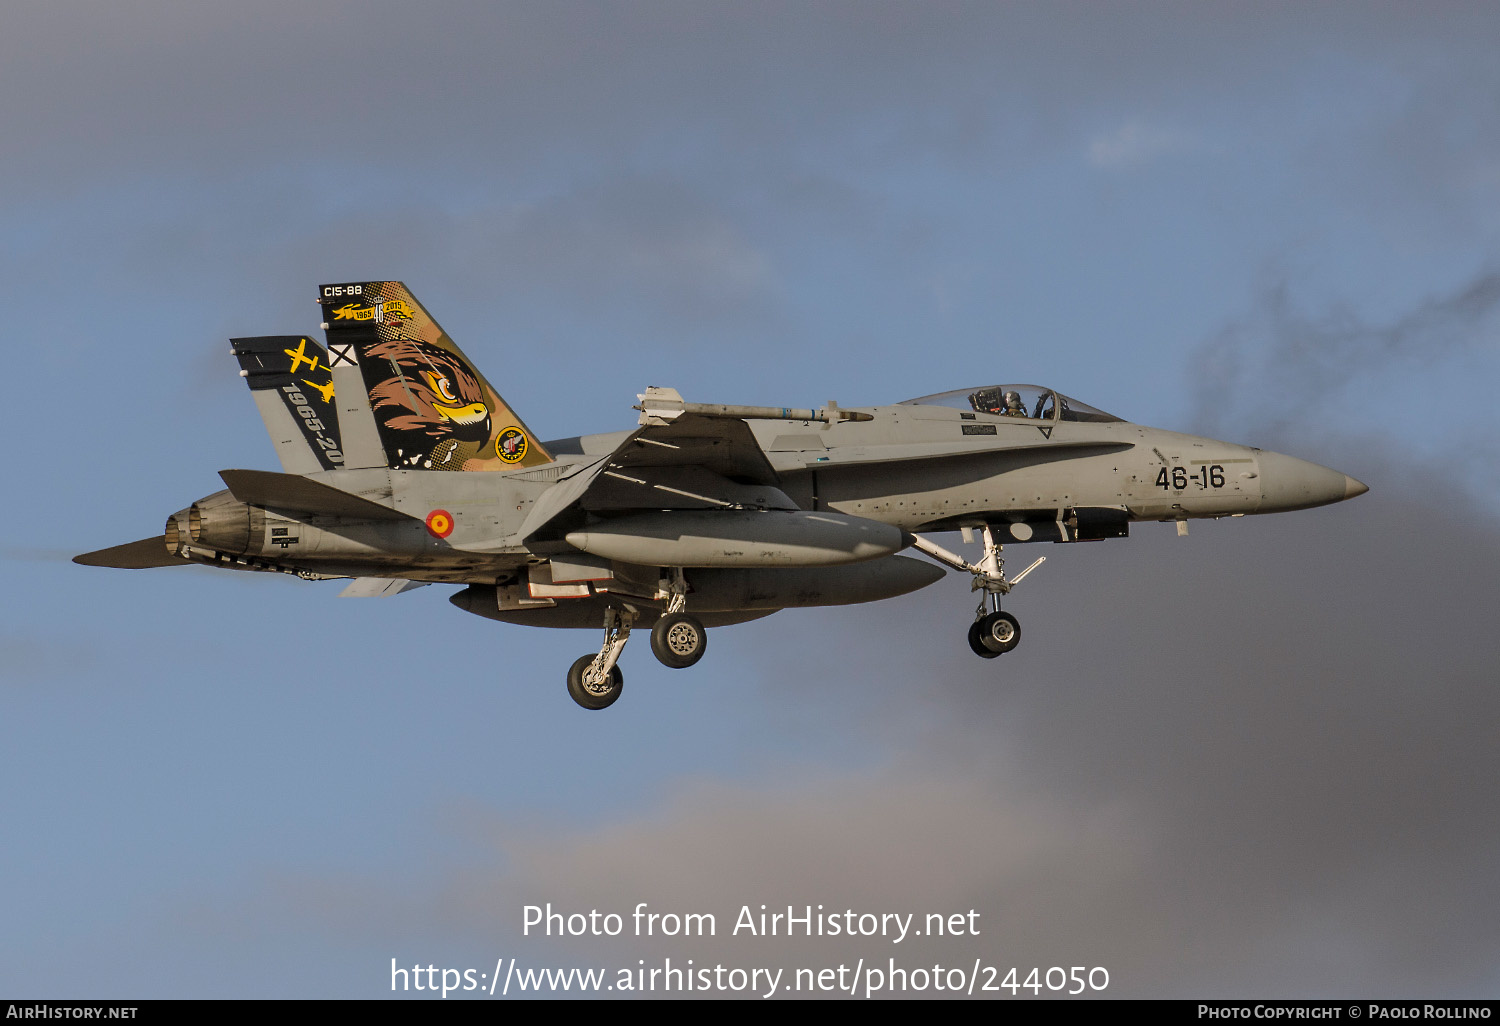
[679, 640]
[977, 644]
[998, 631]
[597, 694]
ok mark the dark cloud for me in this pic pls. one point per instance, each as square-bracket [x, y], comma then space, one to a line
[519, 89]
[1284, 364]
[1255, 761]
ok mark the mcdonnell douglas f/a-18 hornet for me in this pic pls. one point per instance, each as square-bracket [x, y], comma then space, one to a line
[402, 466]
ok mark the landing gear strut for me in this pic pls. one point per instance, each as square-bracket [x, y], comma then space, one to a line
[595, 682]
[993, 631]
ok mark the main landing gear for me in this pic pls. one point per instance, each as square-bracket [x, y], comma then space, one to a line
[994, 631]
[678, 640]
[595, 682]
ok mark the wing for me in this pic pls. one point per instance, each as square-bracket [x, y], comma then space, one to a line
[723, 446]
[693, 462]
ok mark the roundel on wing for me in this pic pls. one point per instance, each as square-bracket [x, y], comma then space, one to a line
[510, 445]
[440, 523]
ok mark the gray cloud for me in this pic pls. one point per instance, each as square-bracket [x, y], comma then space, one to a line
[629, 243]
[1283, 364]
[516, 89]
[1135, 143]
[1255, 762]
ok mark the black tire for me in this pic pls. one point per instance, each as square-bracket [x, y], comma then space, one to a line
[999, 632]
[978, 645]
[679, 640]
[597, 698]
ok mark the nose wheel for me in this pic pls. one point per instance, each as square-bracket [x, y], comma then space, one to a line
[993, 632]
[976, 643]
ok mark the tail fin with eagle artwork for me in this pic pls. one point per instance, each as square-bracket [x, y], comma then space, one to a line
[431, 409]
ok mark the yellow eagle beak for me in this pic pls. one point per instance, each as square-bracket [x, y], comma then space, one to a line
[470, 414]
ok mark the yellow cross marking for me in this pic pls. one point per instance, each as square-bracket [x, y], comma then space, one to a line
[299, 356]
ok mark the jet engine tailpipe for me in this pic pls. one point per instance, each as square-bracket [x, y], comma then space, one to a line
[223, 523]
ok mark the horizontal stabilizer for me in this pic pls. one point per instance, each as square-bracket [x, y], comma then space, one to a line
[379, 587]
[136, 555]
[295, 494]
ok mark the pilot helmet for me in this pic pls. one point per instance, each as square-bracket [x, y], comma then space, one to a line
[1012, 398]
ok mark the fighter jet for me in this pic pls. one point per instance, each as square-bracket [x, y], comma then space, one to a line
[402, 466]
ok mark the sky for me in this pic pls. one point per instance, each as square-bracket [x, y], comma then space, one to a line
[1254, 762]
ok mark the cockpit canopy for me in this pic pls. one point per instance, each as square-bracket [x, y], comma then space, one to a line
[1028, 402]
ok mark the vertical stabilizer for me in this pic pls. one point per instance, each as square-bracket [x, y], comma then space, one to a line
[432, 410]
[293, 388]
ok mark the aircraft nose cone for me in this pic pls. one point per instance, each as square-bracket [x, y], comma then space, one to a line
[1290, 483]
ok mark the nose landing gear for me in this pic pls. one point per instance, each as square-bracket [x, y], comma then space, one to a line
[993, 631]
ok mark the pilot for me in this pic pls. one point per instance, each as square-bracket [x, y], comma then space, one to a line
[1013, 407]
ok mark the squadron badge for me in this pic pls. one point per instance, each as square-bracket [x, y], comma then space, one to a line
[510, 445]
